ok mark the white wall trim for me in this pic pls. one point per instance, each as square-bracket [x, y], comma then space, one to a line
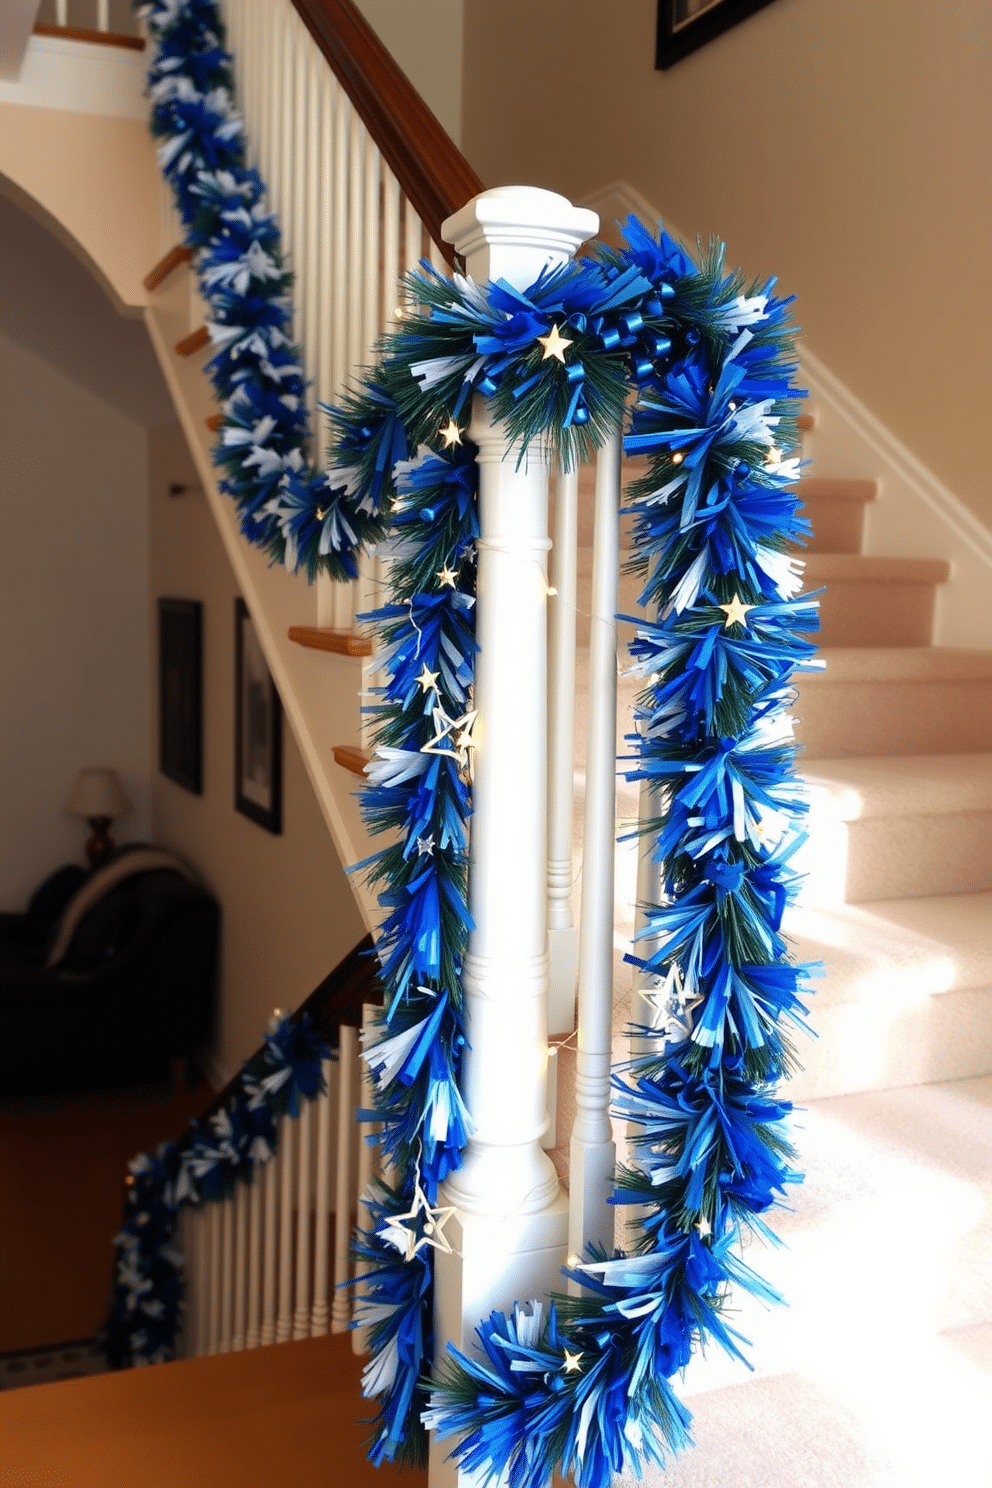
[915, 514]
[80, 77]
[824, 385]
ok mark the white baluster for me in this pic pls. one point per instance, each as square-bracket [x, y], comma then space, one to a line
[511, 1226]
[343, 119]
[373, 217]
[270, 1253]
[326, 227]
[346, 167]
[264, 21]
[322, 1209]
[390, 244]
[284, 1315]
[366, 593]
[341, 1303]
[273, 72]
[226, 1276]
[61, 12]
[649, 808]
[366, 1166]
[201, 1248]
[314, 332]
[563, 945]
[592, 1155]
[185, 1339]
[436, 257]
[304, 165]
[642, 1012]
[240, 1266]
[103, 15]
[301, 1317]
[253, 1336]
[284, 181]
[214, 1283]
[413, 238]
[335, 111]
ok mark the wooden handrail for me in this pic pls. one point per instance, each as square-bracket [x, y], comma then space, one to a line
[86, 33]
[338, 999]
[432, 172]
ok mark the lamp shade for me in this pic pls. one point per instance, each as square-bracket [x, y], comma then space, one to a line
[98, 793]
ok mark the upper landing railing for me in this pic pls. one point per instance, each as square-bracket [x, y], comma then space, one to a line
[361, 175]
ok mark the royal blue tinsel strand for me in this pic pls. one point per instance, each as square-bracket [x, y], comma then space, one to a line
[309, 519]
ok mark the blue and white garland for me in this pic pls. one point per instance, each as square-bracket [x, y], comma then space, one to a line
[586, 1388]
[148, 1297]
[307, 518]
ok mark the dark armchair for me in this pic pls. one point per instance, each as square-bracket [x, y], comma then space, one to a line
[107, 975]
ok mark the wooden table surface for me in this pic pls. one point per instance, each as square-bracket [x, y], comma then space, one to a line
[284, 1415]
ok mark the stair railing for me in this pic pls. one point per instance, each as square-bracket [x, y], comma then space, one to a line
[88, 20]
[271, 1262]
[361, 176]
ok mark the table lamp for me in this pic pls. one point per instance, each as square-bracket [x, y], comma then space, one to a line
[98, 796]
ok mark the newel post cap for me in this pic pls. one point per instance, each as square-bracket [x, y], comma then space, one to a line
[513, 232]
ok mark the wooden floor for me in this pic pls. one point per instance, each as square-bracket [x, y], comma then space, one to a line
[62, 1164]
[284, 1415]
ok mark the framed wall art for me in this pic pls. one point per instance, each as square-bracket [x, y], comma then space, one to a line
[180, 692]
[685, 25]
[257, 729]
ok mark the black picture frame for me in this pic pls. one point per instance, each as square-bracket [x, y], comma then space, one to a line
[180, 692]
[686, 25]
[257, 729]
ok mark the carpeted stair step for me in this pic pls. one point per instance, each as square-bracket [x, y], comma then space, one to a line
[875, 601]
[896, 700]
[836, 509]
[875, 1373]
[906, 994]
[898, 827]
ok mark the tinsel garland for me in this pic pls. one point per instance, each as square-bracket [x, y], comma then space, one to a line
[310, 519]
[148, 1295]
[586, 1388]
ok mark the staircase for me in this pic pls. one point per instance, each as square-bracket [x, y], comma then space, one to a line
[897, 904]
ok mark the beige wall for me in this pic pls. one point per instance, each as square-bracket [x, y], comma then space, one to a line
[73, 614]
[94, 183]
[843, 145]
[288, 914]
[425, 38]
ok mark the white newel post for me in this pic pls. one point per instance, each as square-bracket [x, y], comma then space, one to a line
[511, 1232]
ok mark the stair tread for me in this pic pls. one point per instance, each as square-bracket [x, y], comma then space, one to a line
[897, 949]
[900, 664]
[899, 785]
[860, 568]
